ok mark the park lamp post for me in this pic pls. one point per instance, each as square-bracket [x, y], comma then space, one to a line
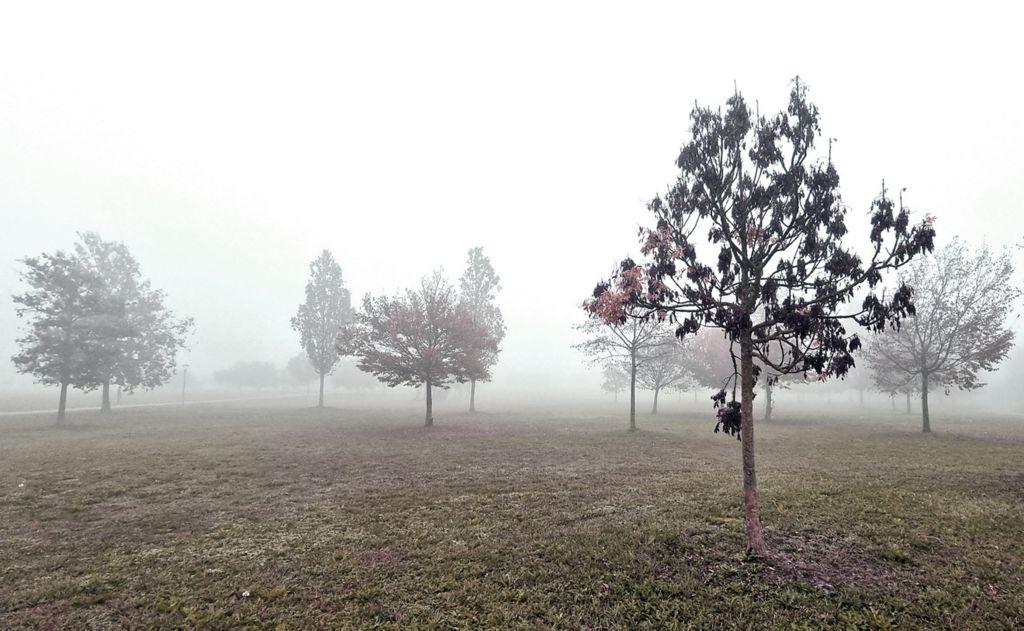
[184, 381]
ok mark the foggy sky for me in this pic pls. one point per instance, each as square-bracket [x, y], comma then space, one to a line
[228, 144]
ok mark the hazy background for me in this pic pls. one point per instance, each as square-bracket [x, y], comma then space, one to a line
[227, 144]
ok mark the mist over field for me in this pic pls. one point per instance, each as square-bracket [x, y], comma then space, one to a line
[363, 291]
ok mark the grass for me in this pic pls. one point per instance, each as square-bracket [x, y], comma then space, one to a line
[232, 515]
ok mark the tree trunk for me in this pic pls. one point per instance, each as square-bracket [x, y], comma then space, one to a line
[908, 401]
[768, 404]
[430, 407]
[926, 425]
[472, 395]
[755, 535]
[105, 406]
[63, 405]
[321, 403]
[632, 391]
[119, 395]
[892, 399]
[654, 410]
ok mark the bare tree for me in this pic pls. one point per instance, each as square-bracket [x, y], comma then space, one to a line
[962, 299]
[751, 188]
[663, 366]
[327, 308]
[627, 343]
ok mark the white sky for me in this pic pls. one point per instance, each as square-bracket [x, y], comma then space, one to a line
[227, 143]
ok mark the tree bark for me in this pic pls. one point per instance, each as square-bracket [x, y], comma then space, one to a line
[472, 395]
[632, 391]
[926, 424]
[769, 406]
[63, 405]
[321, 403]
[654, 410]
[430, 407]
[892, 400]
[119, 395]
[755, 534]
[105, 405]
[908, 401]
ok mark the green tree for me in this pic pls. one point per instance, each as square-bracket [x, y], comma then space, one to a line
[137, 337]
[478, 290]
[62, 306]
[327, 308]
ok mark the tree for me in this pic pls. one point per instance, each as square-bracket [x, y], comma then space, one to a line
[300, 371]
[774, 224]
[615, 378]
[663, 366]
[478, 289]
[62, 306]
[137, 337]
[963, 299]
[628, 342]
[424, 338]
[886, 377]
[327, 308]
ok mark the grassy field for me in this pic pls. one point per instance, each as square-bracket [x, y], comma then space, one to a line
[233, 515]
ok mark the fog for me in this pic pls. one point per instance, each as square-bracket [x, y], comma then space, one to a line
[228, 145]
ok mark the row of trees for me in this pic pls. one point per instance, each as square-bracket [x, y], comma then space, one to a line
[429, 337]
[297, 372]
[962, 302]
[93, 321]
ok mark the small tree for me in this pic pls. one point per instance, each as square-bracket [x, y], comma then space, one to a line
[327, 308]
[424, 338]
[478, 289]
[751, 189]
[628, 343]
[62, 306]
[137, 339]
[615, 378]
[663, 366]
[963, 300]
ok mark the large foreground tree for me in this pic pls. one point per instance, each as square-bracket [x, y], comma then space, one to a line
[478, 291]
[963, 299]
[750, 240]
[425, 337]
[327, 308]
